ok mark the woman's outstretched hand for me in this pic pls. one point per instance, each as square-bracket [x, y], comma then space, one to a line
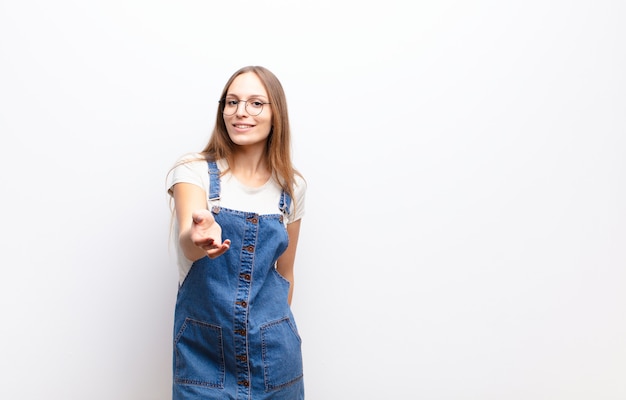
[206, 233]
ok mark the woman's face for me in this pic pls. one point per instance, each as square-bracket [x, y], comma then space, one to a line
[244, 98]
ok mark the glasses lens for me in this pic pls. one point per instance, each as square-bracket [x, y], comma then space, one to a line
[229, 106]
[252, 106]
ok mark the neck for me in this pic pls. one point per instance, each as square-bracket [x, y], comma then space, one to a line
[250, 167]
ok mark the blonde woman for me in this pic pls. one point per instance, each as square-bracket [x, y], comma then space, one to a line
[238, 205]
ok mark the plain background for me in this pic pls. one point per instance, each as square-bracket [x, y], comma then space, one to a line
[465, 235]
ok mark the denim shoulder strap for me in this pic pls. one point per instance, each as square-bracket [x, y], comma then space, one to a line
[285, 203]
[214, 181]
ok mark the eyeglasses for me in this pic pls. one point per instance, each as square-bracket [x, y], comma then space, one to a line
[253, 107]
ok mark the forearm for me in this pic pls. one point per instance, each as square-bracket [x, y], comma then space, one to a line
[189, 249]
[199, 234]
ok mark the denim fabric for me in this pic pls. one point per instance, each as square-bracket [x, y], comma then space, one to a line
[234, 334]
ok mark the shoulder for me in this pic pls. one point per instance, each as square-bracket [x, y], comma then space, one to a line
[191, 158]
[299, 194]
[190, 163]
[189, 168]
[300, 186]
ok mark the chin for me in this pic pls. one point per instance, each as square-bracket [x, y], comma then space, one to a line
[242, 140]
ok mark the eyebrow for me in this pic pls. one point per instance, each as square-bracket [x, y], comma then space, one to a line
[252, 96]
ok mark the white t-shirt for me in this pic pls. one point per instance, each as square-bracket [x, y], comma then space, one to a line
[233, 194]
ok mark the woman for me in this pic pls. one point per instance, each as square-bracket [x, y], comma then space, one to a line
[238, 206]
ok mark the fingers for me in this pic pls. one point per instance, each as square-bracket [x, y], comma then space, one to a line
[205, 244]
[206, 234]
[209, 245]
[219, 250]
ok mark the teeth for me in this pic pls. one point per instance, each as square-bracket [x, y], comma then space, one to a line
[243, 126]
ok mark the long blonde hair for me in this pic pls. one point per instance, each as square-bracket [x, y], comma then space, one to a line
[278, 145]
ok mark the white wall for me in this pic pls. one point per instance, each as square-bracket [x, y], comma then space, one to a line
[465, 235]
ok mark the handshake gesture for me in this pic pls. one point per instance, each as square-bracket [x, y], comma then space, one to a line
[206, 233]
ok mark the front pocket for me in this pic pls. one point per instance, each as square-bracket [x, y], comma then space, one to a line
[199, 354]
[282, 354]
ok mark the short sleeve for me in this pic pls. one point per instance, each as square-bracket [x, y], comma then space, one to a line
[189, 169]
[299, 194]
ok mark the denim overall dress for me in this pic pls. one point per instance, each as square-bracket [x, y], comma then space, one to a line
[234, 334]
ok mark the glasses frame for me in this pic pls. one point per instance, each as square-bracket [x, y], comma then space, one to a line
[222, 103]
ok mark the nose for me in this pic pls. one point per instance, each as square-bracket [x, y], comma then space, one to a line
[241, 108]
